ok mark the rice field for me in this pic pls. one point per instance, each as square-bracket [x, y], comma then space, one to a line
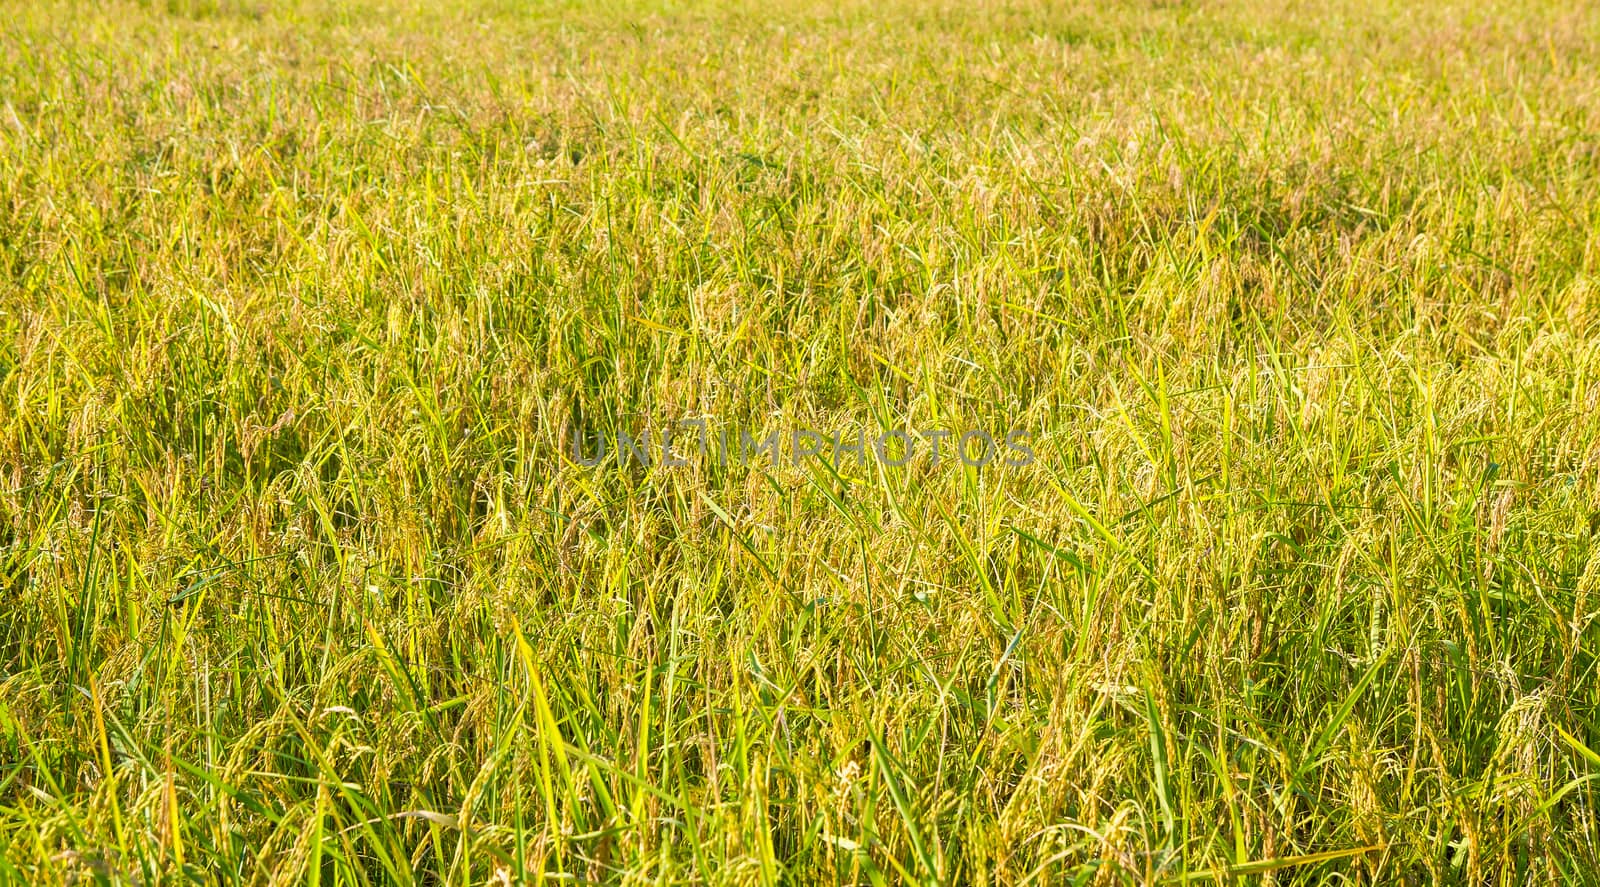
[716, 442]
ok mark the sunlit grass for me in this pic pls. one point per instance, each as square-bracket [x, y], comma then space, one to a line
[299, 583]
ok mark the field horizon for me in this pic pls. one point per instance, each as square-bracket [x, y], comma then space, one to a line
[313, 315]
